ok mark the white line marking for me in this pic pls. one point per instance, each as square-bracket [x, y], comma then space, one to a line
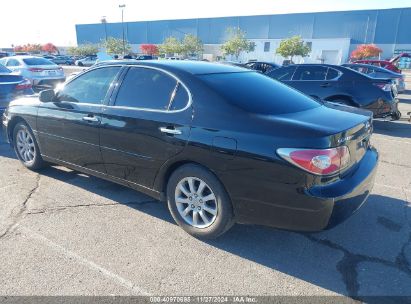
[122, 281]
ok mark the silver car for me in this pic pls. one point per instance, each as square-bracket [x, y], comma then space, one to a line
[86, 61]
[39, 71]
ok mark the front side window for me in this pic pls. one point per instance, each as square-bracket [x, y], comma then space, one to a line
[282, 74]
[146, 88]
[90, 87]
[310, 73]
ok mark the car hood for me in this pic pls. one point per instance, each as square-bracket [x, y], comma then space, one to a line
[29, 100]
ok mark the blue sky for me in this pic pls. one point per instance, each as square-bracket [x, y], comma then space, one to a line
[54, 20]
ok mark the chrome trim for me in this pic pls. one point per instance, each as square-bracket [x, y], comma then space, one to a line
[170, 131]
[91, 118]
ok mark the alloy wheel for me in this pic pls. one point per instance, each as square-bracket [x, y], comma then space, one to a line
[196, 202]
[25, 146]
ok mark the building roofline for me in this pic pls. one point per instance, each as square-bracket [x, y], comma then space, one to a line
[266, 15]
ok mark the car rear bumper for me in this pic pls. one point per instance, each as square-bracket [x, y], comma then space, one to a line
[47, 81]
[324, 206]
[386, 109]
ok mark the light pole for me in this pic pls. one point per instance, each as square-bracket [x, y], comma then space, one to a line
[104, 21]
[122, 6]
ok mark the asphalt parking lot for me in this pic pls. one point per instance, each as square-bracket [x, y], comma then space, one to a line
[66, 233]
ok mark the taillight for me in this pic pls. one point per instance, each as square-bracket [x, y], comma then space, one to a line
[25, 84]
[383, 86]
[36, 70]
[317, 161]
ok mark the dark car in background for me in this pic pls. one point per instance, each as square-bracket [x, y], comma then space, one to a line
[341, 85]
[220, 144]
[11, 87]
[61, 59]
[261, 66]
[378, 72]
[386, 64]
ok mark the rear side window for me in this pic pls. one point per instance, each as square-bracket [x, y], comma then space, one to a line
[147, 89]
[257, 93]
[180, 99]
[283, 74]
[310, 73]
[12, 63]
[37, 61]
[332, 74]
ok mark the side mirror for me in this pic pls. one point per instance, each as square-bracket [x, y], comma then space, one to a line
[47, 96]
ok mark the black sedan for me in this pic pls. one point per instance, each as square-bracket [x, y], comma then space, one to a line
[261, 66]
[220, 144]
[342, 85]
[11, 87]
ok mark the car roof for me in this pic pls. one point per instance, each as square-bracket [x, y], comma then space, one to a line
[23, 57]
[191, 67]
[372, 60]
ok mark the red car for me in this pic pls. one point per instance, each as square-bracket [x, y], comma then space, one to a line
[386, 64]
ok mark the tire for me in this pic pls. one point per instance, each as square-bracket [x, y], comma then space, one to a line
[26, 147]
[214, 216]
[80, 64]
[396, 115]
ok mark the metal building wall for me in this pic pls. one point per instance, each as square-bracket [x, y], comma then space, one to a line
[368, 26]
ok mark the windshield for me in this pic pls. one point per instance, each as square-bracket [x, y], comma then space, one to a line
[37, 61]
[257, 93]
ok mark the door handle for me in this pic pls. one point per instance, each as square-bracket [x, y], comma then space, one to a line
[91, 119]
[325, 85]
[170, 131]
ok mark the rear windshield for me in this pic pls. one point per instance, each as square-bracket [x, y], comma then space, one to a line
[3, 69]
[260, 94]
[37, 61]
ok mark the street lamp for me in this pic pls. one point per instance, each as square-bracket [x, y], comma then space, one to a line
[122, 6]
[104, 21]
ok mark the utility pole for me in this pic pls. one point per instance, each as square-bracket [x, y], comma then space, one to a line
[122, 6]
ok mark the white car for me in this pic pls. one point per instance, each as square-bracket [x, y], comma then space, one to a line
[39, 71]
[86, 61]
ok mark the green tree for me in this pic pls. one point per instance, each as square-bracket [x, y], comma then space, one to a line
[115, 46]
[191, 45]
[83, 49]
[237, 43]
[293, 46]
[171, 45]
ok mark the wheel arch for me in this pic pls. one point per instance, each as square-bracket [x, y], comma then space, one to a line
[341, 97]
[161, 180]
[12, 124]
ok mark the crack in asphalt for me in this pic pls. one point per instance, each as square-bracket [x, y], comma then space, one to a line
[23, 207]
[395, 164]
[62, 208]
[347, 266]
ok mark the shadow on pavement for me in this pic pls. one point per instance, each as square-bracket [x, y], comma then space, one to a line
[369, 254]
[396, 129]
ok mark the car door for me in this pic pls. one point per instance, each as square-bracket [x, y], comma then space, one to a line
[69, 127]
[146, 124]
[312, 80]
